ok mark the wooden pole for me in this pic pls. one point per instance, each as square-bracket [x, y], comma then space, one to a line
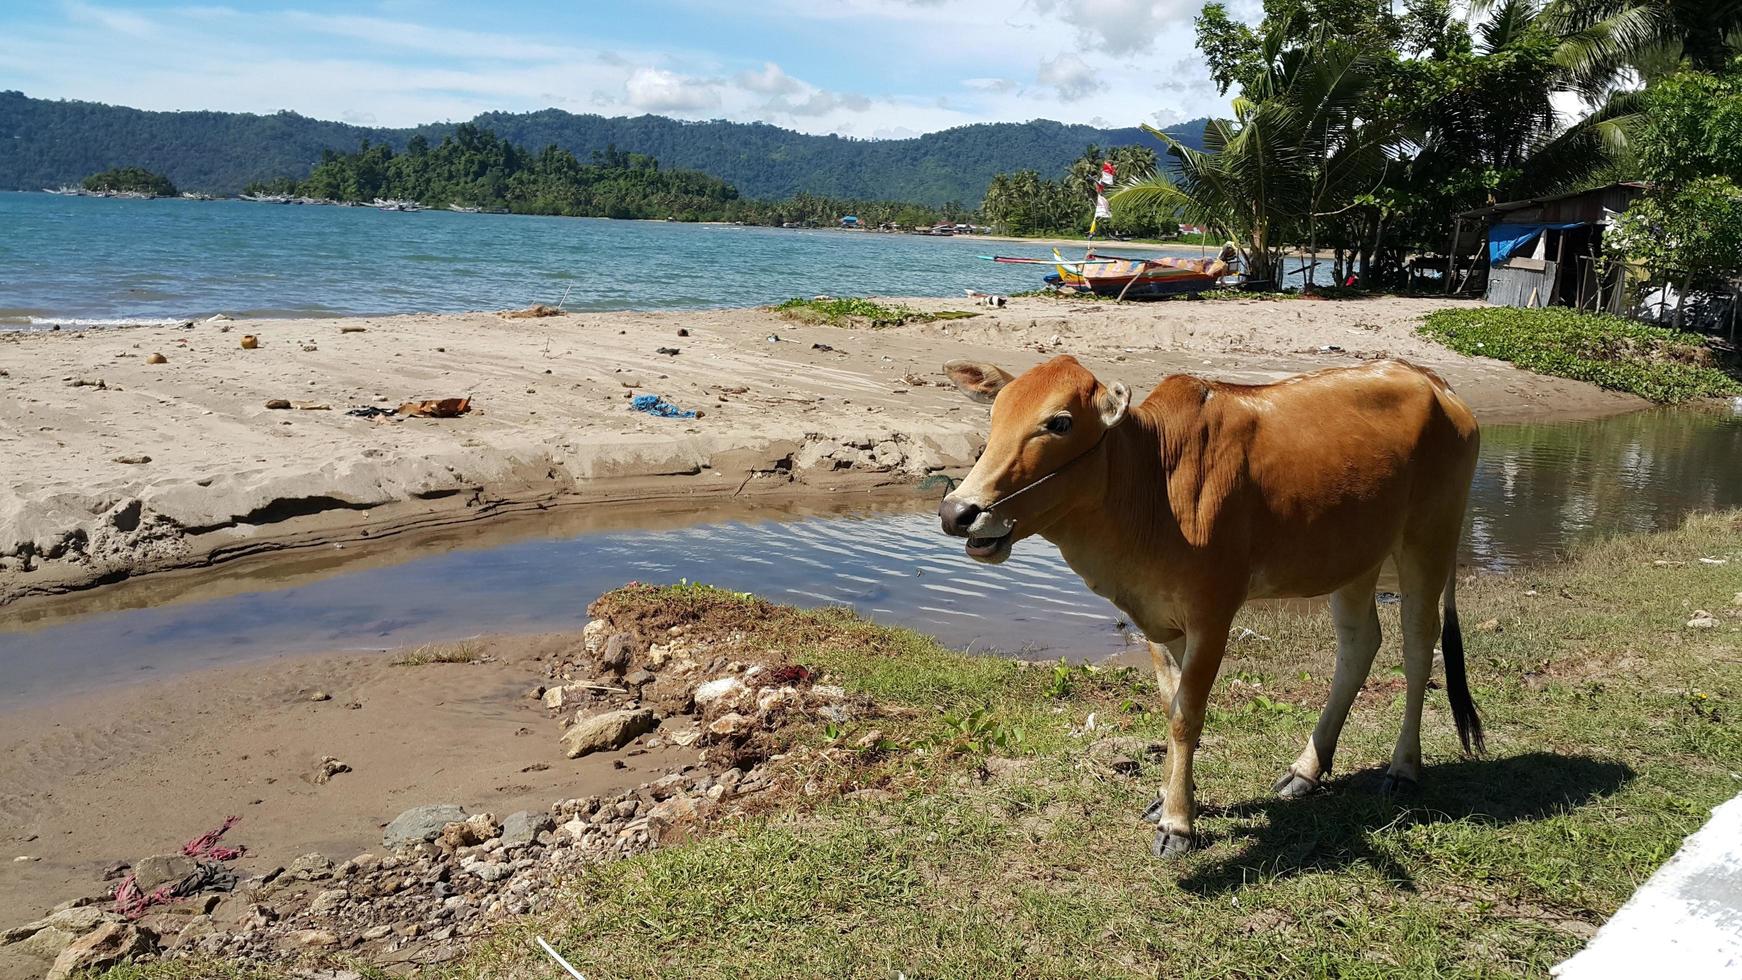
[1452, 253]
[1560, 258]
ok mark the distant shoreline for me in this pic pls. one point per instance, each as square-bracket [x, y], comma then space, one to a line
[1017, 239]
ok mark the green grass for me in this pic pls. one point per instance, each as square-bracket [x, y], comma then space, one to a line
[1658, 363]
[465, 652]
[854, 311]
[993, 844]
[1611, 732]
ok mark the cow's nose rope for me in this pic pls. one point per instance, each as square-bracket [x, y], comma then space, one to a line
[1001, 501]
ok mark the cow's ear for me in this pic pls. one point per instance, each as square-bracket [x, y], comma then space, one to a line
[978, 381]
[1115, 403]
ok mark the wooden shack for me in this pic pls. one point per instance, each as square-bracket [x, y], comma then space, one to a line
[1543, 251]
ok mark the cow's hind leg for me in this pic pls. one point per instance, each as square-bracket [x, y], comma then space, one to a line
[1422, 575]
[1356, 617]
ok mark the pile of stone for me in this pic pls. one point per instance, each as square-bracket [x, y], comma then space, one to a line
[444, 876]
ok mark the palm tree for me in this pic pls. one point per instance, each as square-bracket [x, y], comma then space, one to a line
[1304, 141]
[1606, 41]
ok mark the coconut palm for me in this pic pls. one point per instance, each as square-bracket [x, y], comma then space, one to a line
[1607, 41]
[1304, 141]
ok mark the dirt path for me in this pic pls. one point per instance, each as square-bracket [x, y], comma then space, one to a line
[117, 466]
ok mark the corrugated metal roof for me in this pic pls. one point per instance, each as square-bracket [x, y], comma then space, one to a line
[1626, 188]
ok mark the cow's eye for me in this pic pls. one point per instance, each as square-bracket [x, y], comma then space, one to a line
[1058, 425]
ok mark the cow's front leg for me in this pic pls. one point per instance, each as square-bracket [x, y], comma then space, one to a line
[1167, 656]
[1174, 834]
[1167, 653]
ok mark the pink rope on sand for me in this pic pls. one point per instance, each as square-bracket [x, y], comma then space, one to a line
[206, 845]
[133, 903]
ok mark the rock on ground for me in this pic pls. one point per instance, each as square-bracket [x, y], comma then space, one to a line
[421, 823]
[523, 827]
[158, 870]
[110, 944]
[611, 730]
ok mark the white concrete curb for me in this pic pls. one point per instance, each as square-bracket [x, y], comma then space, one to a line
[1685, 922]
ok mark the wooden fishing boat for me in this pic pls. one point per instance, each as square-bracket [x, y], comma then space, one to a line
[1127, 278]
[1135, 278]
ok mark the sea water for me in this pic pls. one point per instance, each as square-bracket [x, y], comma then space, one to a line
[79, 261]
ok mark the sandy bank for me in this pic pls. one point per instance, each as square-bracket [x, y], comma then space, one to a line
[117, 466]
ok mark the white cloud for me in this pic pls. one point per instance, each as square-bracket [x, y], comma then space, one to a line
[1068, 75]
[659, 90]
[1119, 26]
[906, 67]
[467, 45]
[770, 80]
[107, 18]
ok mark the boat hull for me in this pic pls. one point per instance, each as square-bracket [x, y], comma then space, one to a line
[1134, 278]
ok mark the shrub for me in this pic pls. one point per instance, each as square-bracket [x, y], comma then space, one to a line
[1658, 363]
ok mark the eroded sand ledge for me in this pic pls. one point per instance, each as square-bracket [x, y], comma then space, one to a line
[228, 477]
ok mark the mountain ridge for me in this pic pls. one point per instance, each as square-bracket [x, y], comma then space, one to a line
[45, 143]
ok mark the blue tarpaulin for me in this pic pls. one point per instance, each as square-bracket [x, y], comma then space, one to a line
[655, 405]
[1505, 241]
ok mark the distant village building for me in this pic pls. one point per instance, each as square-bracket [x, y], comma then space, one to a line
[850, 221]
[1543, 251]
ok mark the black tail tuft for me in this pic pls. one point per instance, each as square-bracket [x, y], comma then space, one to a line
[1458, 686]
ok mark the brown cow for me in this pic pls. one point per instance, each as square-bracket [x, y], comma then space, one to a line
[1207, 495]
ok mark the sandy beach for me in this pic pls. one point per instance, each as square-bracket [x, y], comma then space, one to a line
[120, 467]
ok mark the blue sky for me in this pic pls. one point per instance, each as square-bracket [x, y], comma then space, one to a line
[866, 68]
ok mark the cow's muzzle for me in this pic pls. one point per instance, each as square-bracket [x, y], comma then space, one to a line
[988, 534]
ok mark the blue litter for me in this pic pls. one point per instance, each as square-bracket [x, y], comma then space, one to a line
[655, 405]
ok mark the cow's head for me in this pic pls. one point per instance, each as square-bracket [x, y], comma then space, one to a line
[1042, 423]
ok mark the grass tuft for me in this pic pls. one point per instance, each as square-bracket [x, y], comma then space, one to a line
[1658, 363]
[854, 311]
[465, 652]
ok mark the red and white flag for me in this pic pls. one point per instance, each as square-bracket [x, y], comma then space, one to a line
[1102, 208]
[1106, 173]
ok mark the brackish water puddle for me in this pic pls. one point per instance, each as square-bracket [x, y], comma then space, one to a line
[1540, 490]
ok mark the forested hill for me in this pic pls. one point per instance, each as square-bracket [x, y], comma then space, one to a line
[45, 143]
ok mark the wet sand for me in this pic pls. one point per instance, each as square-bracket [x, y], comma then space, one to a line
[141, 769]
[119, 467]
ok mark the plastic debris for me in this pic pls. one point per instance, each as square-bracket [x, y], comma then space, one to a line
[436, 408]
[655, 405]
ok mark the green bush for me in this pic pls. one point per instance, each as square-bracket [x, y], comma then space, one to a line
[1658, 363]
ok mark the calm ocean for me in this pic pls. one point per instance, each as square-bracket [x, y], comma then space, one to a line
[83, 261]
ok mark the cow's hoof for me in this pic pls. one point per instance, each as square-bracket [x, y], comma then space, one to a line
[1171, 844]
[1152, 813]
[1398, 787]
[1293, 786]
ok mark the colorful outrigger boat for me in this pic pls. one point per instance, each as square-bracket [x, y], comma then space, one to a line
[1129, 278]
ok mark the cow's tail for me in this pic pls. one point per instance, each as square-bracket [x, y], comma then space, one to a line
[1457, 684]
